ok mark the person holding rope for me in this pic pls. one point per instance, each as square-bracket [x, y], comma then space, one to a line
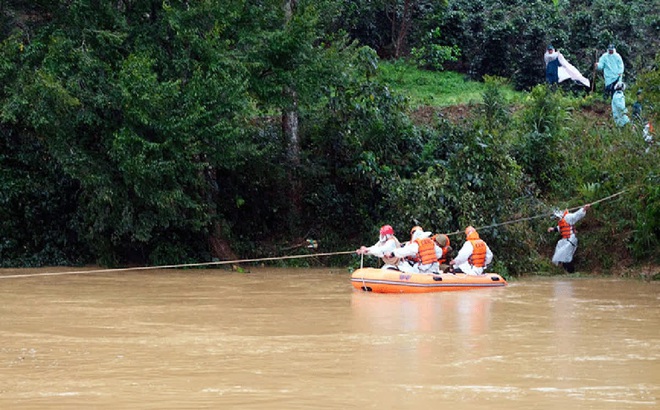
[568, 243]
[474, 256]
[386, 244]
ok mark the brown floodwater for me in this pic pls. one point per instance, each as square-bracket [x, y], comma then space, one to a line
[305, 339]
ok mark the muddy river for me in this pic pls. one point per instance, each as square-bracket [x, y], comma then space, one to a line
[305, 339]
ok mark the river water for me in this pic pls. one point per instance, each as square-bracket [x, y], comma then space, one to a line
[305, 339]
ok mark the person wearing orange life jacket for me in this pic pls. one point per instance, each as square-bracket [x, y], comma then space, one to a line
[473, 256]
[412, 259]
[387, 242]
[444, 244]
[421, 252]
[568, 243]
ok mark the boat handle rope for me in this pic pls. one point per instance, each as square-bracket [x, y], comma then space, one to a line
[276, 258]
[364, 285]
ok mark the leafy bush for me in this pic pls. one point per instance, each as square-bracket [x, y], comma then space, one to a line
[542, 121]
[433, 55]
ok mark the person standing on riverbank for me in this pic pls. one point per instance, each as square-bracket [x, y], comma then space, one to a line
[568, 243]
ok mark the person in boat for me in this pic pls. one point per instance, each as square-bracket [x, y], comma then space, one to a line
[474, 256]
[411, 260]
[568, 243]
[443, 242]
[387, 243]
[420, 254]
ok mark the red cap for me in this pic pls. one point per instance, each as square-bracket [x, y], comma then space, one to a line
[386, 230]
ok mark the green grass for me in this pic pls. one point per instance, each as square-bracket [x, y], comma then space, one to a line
[433, 88]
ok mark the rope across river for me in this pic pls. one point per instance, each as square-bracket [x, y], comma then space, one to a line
[184, 265]
[275, 258]
[544, 215]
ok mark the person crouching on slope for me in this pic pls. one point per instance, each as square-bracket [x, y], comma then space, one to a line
[568, 243]
[473, 256]
[619, 110]
[422, 251]
[387, 243]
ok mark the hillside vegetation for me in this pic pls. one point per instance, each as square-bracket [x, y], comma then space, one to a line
[157, 133]
[573, 163]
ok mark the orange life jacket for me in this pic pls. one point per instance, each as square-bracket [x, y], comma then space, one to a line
[445, 255]
[478, 257]
[565, 228]
[426, 252]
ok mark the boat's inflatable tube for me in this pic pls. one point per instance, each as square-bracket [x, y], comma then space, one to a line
[395, 281]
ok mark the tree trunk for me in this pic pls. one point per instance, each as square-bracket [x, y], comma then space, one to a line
[399, 26]
[290, 113]
[403, 30]
[218, 245]
[220, 248]
[290, 127]
[290, 132]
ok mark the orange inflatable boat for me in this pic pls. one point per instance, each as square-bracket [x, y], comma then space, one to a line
[395, 281]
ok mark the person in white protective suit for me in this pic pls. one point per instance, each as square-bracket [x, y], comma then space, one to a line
[474, 256]
[612, 66]
[568, 243]
[387, 243]
[619, 110]
[420, 254]
[558, 69]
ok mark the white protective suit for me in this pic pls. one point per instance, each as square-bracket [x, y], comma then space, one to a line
[619, 110]
[461, 260]
[612, 66]
[411, 249]
[566, 69]
[566, 247]
[385, 245]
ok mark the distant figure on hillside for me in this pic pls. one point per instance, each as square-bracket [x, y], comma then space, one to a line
[551, 65]
[637, 107]
[611, 64]
[568, 243]
[638, 118]
[387, 242]
[619, 110]
[473, 256]
[557, 69]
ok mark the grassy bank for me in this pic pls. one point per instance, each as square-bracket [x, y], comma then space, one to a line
[435, 88]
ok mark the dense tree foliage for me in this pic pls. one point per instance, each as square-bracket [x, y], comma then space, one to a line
[157, 132]
[507, 38]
